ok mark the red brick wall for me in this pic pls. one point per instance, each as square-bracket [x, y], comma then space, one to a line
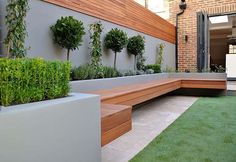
[188, 26]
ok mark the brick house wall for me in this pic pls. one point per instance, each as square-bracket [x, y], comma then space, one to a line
[187, 51]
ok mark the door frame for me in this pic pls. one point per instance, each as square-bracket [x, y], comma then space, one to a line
[203, 40]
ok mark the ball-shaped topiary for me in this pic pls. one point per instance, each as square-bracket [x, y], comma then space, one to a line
[136, 46]
[68, 33]
[116, 40]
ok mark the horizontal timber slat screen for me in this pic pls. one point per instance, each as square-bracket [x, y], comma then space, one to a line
[126, 13]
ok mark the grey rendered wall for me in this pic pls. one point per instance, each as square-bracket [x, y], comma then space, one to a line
[60, 130]
[108, 83]
[42, 15]
[199, 75]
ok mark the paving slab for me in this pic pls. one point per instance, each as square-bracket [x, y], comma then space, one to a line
[231, 85]
[149, 121]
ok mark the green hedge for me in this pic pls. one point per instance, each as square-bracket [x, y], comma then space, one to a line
[30, 80]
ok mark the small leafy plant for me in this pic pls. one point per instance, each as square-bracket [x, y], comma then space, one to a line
[68, 33]
[136, 46]
[84, 72]
[96, 44]
[159, 57]
[30, 80]
[87, 71]
[155, 67]
[16, 28]
[116, 40]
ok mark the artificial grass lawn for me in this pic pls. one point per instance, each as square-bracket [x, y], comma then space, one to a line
[204, 133]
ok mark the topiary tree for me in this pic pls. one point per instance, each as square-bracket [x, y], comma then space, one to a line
[136, 46]
[116, 40]
[68, 33]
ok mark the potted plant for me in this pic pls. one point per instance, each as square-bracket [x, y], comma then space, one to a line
[116, 40]
[68, 33]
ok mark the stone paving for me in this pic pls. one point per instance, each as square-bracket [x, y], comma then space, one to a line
[149, 120]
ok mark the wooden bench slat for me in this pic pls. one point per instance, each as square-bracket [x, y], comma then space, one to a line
[205, 84]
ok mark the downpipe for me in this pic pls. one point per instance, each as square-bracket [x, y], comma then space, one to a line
[177, 40]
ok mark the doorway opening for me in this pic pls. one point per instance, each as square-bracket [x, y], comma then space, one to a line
[217, 43]
[223, 44]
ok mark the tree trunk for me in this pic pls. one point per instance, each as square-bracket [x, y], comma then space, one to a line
[115, 61]
[8, 50]
[135, 62]
[68, 54]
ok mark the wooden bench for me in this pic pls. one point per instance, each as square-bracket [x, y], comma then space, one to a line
[116, 120]
[117, 102]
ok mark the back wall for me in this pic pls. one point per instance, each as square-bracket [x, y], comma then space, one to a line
[42, 15]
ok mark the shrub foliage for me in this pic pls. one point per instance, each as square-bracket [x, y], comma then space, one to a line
[30, 80]
[136, 46]
[116, 40]
[155, 67]
[96, 44]
[68, 33]
[86, 72]
[16, 28]
[159, 57]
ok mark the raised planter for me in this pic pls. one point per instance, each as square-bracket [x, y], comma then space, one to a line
[59, 130]
[199, 75]
[108, 83]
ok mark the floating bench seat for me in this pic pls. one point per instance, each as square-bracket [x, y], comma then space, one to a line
[117, 102]
[135, 94]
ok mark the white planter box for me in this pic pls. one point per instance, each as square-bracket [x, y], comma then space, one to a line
[60, 130]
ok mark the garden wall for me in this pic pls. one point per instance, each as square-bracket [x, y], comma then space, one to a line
[42, 15]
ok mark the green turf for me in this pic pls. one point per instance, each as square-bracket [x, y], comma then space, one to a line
[204, 133]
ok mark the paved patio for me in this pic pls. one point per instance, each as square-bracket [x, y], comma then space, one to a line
[149, 120]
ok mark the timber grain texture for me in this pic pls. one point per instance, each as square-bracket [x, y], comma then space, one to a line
[126, 13]
[116, 109]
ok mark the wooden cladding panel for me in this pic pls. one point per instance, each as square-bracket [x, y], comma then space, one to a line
[126, 13]
[116, 132]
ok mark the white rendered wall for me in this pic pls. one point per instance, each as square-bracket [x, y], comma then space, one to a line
[231, 65]
[60, 130]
